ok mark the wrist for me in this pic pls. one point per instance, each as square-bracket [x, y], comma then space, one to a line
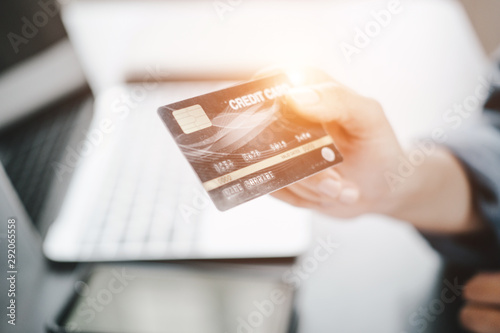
[434, 196]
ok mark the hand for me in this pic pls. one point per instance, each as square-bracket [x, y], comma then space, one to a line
[481, 314]
[435, 198]
[362, 134]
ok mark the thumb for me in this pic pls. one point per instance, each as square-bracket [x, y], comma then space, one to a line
[336, 105]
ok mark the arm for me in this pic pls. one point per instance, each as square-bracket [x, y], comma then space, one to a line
[452, 197]
[436, 198]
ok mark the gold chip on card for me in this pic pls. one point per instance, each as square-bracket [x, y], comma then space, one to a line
[192, 119]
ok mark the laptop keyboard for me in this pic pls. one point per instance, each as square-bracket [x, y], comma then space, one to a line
[137, 193]
[28, 149]
[134, 198]
[137, 207]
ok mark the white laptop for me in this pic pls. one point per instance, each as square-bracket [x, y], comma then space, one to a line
[118, 188]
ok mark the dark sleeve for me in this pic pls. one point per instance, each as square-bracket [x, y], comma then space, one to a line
[478, 149]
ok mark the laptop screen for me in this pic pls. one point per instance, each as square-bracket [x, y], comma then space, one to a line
[28, 27]
[40, 77]
[37, 63]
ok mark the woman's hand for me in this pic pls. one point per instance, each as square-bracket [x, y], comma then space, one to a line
[365, 138]
[481, 314]
[435, 198]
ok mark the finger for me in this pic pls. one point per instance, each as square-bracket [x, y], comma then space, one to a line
[484, 288]
[349, 195]
[325, 185]
[333, 187]
[331, 102]
[328, 193]
[306, 193]
[291, 198]
[481, 319]
[332, 208]
[318, 98]
[315, 180]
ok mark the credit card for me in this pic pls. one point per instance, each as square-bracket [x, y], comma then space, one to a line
[246, 141]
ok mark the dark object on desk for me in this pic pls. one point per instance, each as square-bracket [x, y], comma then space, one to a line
[37, 289]
[209, 298]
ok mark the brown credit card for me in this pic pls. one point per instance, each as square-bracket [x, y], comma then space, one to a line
[246, 141]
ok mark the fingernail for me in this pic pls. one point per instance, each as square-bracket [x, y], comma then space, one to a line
[329, 187]
[304, 96]
[349, 195]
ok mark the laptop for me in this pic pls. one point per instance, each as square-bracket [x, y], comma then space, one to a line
[198, 296]
[99, 175]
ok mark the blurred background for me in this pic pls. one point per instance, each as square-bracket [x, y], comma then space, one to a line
[425, 48]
